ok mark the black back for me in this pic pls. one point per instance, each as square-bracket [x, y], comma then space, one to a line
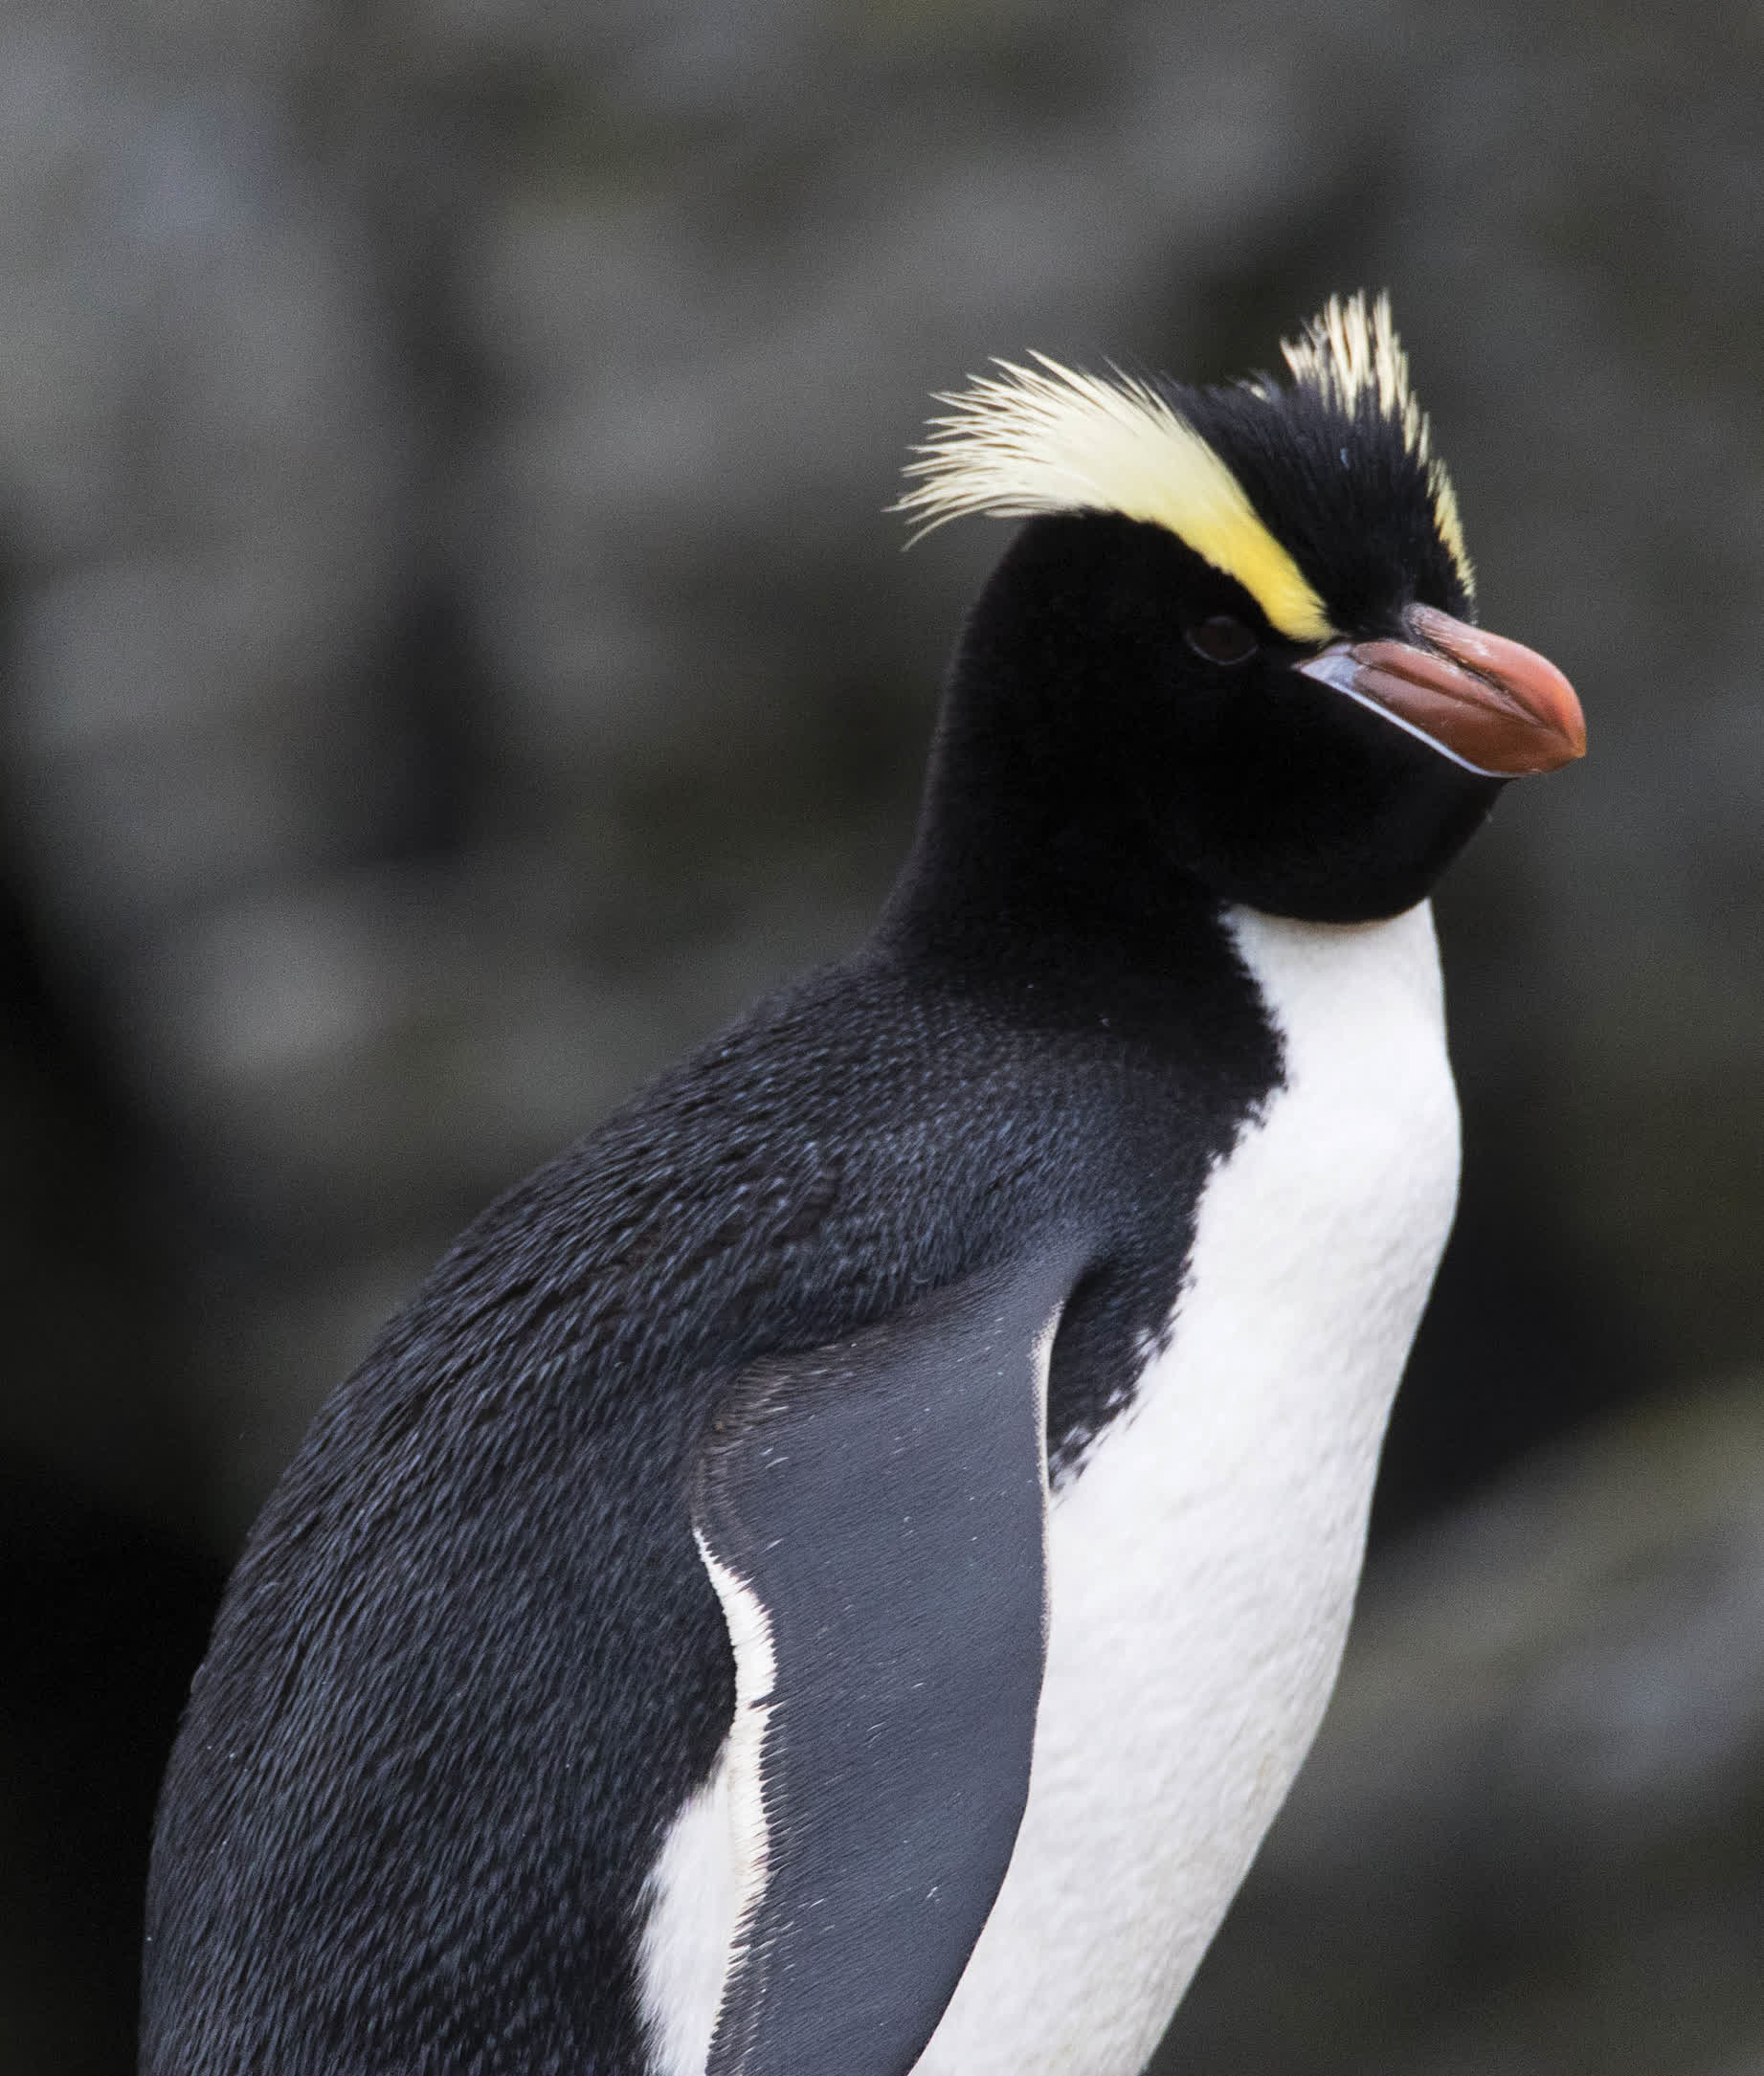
[471, 1664]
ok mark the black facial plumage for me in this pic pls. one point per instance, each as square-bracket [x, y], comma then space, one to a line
[1344, 490]
[1091, 758]
[1127, 706]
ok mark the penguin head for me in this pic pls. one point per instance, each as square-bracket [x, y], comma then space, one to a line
[1238, 629]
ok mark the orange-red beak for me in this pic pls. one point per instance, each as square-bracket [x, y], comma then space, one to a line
[1485, 703]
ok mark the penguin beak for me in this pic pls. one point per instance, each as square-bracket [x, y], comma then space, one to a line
[1484, 702]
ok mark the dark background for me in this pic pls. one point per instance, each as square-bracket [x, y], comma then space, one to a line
[453, 652]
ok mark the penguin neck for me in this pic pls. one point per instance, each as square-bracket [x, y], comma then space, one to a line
[1044, 859]
[1046, 840]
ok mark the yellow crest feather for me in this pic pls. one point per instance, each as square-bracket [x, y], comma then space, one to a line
[1350, 352]
[1048, 438]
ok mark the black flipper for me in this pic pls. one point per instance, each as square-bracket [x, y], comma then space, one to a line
[883, 1501]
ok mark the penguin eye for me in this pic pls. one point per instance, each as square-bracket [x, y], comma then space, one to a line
[1221, 639]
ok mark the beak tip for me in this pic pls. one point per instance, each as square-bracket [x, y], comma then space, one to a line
[1568, 726]
[1541, 724]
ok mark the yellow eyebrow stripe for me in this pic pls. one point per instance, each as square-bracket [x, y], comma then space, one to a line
[1052, 439]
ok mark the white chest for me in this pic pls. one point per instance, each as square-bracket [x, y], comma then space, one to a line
[1203, 1563]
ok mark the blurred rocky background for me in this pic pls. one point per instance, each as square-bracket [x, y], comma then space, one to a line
[453, 652]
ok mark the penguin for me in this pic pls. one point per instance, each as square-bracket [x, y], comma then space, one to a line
[837, 1572]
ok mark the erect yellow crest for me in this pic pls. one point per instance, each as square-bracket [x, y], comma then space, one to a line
[1350, 352]
[1050, 438]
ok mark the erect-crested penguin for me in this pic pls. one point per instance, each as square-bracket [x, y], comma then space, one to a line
[834, 1575]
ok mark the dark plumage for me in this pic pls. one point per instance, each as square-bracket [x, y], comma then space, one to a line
[745, 1388]
[470, 1662]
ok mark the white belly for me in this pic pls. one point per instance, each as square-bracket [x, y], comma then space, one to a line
[1203, 1563]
